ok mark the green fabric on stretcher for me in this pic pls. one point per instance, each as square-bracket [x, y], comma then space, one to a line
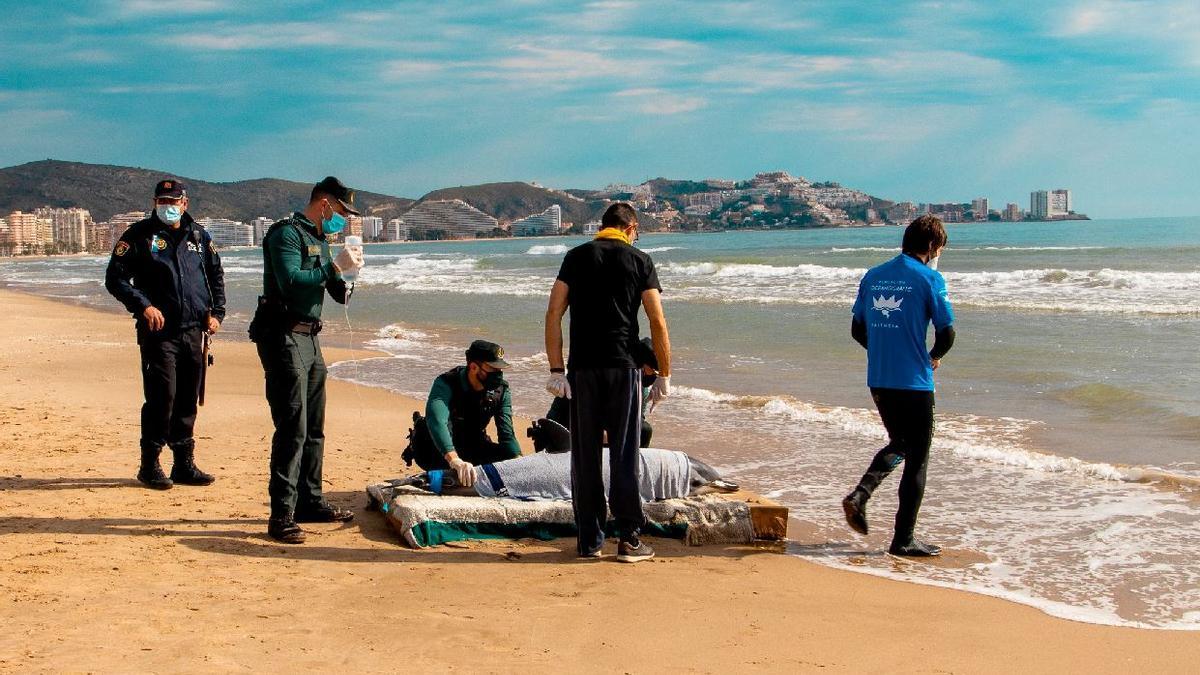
[433, 533]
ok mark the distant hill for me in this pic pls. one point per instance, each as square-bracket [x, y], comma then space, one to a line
[510, 201]
[106, 190]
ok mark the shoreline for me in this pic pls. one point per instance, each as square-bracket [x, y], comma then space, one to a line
[186, 579]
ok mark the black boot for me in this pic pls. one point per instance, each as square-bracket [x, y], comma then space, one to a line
[855, 508]
[150, 473]
[184, 471]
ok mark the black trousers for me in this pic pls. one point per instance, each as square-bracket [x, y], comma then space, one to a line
[295, 373]
[606, 400]
[485, 451]
[171, 384]
[908, 417]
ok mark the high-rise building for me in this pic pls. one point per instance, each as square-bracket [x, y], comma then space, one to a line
[1039, 204]
[259, 227]
[1060, 202]
[1012, 212]
[396, 230]
[979, 208]
[225, 232]
[448, 219]
[101, 237]
[26, 234]
[68, 227]
[546, 222]
[1045, 204]
[372, 228]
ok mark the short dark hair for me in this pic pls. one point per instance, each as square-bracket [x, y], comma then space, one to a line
[619, 215]
[924, 235]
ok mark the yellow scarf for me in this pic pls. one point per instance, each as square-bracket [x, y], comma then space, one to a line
[614, 233]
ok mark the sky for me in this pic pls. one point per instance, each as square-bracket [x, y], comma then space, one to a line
[918, 101]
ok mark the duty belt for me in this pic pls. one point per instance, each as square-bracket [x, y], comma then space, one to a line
[306, 327]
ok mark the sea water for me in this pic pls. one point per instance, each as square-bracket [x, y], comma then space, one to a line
[1064, 471]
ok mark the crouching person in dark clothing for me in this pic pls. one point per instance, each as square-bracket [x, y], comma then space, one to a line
[461, 404]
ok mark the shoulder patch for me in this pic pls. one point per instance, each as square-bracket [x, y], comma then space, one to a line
[314, 249]
[121, 249]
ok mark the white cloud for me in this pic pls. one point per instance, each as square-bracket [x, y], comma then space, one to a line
[160, 7]
[897, 127]
[652, 101]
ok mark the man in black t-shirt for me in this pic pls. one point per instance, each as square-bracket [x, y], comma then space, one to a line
[604, 282]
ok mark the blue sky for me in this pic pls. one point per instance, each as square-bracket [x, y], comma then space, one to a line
[927, 101]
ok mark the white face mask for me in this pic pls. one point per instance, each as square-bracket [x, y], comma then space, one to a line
[933, 262]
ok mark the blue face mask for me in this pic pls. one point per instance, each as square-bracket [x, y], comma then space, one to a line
[168, 213]
[335, 223]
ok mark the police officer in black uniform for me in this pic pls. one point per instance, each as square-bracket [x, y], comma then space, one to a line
[167, 273]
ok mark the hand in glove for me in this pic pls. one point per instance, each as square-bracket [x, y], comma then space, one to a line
[558, 385]
[348, 259]
[465, 472]
[658, 391]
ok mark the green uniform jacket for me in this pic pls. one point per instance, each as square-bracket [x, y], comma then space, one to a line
[298, 269]
[467, 417]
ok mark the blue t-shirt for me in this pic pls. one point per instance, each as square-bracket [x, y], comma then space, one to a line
[896, 301]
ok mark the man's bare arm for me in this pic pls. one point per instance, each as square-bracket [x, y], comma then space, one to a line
[652, 301]
[554, 316]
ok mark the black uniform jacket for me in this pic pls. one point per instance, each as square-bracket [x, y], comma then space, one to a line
[177, 271]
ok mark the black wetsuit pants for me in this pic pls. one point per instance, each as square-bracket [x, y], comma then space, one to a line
[171, 384]
[908, 417]
[606, 400]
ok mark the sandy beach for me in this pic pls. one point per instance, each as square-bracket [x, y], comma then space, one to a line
[99, 574]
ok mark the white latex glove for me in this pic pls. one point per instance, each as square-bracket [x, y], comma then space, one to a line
[348, 259]
[658, 391]
[558, 385]
[466, 472]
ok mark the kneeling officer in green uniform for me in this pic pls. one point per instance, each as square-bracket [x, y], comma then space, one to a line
[461, 403]
[297, 272]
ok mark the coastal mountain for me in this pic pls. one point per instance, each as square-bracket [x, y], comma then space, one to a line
[106, 190]
[513, 200]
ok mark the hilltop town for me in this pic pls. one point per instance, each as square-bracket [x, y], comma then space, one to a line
[769, 200]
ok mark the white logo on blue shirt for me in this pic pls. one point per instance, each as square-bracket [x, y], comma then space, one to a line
[886, 306]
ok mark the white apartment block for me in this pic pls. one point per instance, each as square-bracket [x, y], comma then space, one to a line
[546, 222]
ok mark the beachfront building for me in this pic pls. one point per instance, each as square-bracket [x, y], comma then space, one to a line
[591, 227]
[372, 228]
[225, 232]
[396, 230]
[68, 227]
[538, 224]
[26, 234]
[448, 219]
[1012, 212]
[101, 237]
[979, 208]
[1047, 204]
[259, 227]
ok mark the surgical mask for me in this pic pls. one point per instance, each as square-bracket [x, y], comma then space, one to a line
[168, 213]
[933, 262]
[333, 224]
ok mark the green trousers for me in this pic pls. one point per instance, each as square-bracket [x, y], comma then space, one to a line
[295, 372]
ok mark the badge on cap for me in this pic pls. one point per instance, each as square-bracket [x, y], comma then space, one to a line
[167, 185]
[122, 248]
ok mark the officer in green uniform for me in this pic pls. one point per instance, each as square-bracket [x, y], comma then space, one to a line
[297, 272]
[461, 404]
